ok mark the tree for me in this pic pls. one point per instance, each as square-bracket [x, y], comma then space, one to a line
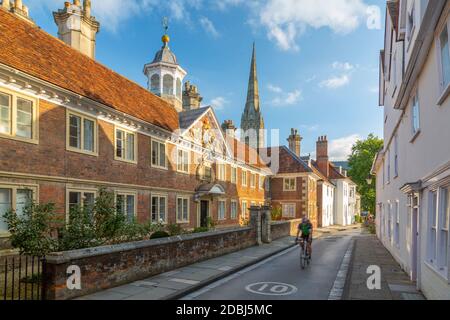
[360, 163]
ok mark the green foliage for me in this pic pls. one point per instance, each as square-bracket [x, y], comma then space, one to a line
[175, 229]
[360, 163]
[276, 213]
[200, 230]
[159, 234]
[32, 232]
[372, 228]
[211, 223]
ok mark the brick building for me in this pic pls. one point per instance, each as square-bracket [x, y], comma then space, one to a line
[69, 125]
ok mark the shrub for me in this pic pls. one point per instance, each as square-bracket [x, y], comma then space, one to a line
[159, 234]
[211, 223]
[175, 229]
[79, 231]
[276, 214]
[200, 230]
[31, 233]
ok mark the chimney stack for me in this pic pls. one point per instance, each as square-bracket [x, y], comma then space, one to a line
[80, 36]
[5, 4]
[295, 141]
[229, 128]
[18, 8]
[191, 97]
[322, 156]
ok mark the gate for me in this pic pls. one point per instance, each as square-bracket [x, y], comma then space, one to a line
[21, 278]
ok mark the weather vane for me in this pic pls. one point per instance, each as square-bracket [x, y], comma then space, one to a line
[165, 23]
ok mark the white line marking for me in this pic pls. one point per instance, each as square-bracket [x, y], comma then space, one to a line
[338, 286]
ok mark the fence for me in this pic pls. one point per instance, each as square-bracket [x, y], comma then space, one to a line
[21, 278]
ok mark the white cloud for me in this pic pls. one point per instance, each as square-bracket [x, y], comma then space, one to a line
[218, 103]
[344, 66]
[335, 82]
[285, 20]
[340, 149]
[312, 127]
[209, 27]
[288, 98]
[273, 88]
[374, 89]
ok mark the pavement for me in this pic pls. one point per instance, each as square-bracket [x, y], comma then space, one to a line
[183, 281]
[395, 284]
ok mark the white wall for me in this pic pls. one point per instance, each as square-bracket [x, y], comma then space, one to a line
[328, 191]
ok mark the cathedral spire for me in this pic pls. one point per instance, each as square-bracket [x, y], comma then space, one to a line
[253, 90]
[252, 122]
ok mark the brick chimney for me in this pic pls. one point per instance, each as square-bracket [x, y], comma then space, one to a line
[295, 141]
[191, 97]
[77, 27]
[229, 128]
[322, 156]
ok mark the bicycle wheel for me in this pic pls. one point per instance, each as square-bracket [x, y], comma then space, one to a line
[302, 259]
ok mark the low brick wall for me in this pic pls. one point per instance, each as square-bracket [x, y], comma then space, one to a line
[5, 243]
[110, 266]
[280, 229]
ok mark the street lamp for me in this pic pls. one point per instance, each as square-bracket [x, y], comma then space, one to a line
[369, 179]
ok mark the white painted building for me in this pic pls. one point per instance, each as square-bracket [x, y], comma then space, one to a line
[344, 201]
[328, 190]
[413, 169]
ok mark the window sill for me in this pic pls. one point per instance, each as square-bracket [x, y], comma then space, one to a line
[159, 167]
[414, 137]
[183, 172]
[88, 153]
[4, 234]
[440, 273]
[182, 221]
[444, 95]
[124, 160]
[31, 141]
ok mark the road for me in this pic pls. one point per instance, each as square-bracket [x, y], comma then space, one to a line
[281, 277]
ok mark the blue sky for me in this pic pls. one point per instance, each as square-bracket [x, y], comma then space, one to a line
[317, 59]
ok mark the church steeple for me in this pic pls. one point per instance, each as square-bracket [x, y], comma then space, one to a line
[253, 90]
[252, 122]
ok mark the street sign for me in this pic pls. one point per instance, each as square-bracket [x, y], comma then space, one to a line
[271, 288]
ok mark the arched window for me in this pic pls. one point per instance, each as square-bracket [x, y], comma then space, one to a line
[155, 83]
[168, 84]
[179, 88]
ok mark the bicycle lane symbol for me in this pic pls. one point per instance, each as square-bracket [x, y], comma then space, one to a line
[271, 288]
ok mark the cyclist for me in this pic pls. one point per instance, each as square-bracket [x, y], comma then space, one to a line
[306, 228]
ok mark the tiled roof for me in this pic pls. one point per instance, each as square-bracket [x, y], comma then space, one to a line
[29, 49]
[187, 118]
[288, 162]
[243, 152]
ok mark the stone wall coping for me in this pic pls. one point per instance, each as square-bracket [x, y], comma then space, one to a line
[284, 221]
[66, 256]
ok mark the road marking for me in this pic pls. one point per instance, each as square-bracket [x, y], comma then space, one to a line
[339, 284]
[271, 288]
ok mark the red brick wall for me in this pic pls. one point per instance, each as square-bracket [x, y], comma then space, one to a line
[50, 158]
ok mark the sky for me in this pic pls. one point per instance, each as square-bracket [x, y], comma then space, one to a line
[317, 59]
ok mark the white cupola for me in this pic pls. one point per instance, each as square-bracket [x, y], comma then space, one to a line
[165, 76]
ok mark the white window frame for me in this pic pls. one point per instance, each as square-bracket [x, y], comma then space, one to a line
[288, 210]
[234, 215]
[219, 202]
[410, 29]
[34, 188]
[95, 133]
[13, 117]
[166, 202]
[444, 89]
[158, 165]
[415, 131]
[127, 193]
[244, 213]
[181, 165]
[396, 163]
[244, 178]
[252, 180]
[182, 220]
[83, 191]
[261, 181]
[221, 171]
[234, 174]
[123, 158]
[397, 223]
[294, 188]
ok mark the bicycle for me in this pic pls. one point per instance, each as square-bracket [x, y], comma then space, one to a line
[305, 258]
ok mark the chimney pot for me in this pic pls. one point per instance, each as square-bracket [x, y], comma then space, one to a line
[87, 8]
[18, 4]
[25, 10]
[76, 2]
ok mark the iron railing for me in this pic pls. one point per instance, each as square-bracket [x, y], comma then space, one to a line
[21, 278]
